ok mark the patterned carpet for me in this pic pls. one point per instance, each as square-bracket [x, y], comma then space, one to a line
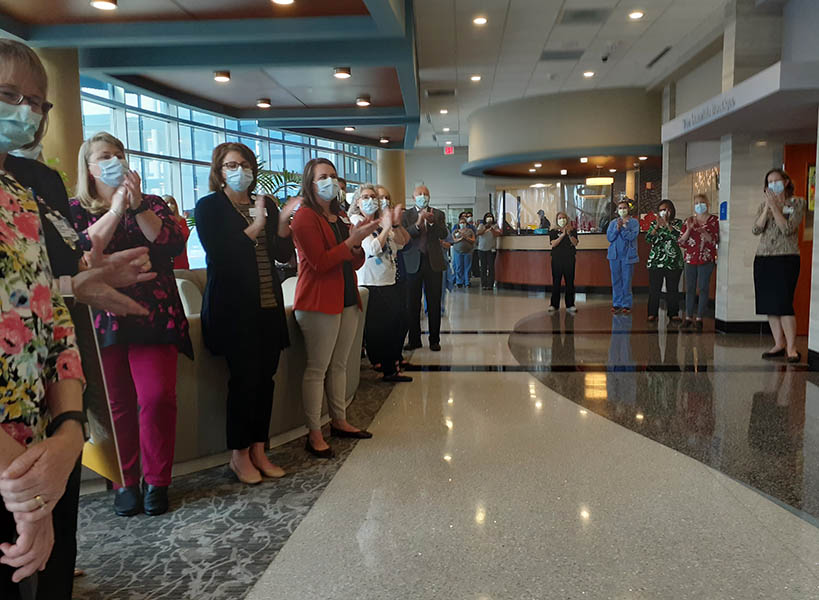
[219, 536]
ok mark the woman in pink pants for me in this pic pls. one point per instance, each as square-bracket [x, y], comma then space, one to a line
[138, 353]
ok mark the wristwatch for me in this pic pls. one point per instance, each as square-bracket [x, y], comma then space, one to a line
[143, 206]
[71, 415]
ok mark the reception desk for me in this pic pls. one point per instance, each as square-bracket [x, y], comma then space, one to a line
[525, 261]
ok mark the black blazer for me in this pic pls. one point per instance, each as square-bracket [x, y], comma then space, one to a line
[49, 186]
[436, 232]
[231, 309]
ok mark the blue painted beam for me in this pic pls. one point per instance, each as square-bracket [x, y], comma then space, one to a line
[388, 15]
[411, 133]
[407, 70]
[221, 31]
[347, 138]
[122, 61]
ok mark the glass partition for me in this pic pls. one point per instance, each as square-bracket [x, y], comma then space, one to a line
[589, 207]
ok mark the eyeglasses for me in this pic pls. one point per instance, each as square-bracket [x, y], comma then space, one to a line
[12, 96]
[233, 165]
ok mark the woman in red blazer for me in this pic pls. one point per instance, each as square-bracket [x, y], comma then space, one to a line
[327, 305]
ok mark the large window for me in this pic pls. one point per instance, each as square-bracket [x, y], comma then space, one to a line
[170, 145]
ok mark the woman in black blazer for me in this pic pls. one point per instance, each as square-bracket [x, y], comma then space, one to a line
[243, 308]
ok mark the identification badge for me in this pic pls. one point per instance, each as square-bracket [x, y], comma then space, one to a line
[787, 210]
[344, 220]
[254, 212]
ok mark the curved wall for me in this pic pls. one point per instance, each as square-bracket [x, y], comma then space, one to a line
[610, 121]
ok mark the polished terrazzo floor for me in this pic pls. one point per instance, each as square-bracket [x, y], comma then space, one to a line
[537, 456]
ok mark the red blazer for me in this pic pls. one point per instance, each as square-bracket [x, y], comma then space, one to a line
[320, 287]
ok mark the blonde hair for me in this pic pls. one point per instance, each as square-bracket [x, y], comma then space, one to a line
[13, 52]
[86, 191]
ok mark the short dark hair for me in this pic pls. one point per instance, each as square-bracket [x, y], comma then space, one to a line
[487, 215]
[307, 191]
[670, 205]
[216, 181]
[789, 189]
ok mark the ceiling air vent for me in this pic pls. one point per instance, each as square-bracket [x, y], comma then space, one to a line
[572, 55]
[584, 16]
[440, 93]
[657, 58]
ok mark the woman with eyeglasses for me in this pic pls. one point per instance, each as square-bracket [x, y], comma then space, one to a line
[327, 305]
[243, 317]
[139, 353]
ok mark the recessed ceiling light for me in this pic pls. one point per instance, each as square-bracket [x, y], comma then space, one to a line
[612, 170]
[384, 140]
[446, 130]
[584, 160]
[444, 111]
[283, 2]
[636, 15]
[588, 74]
[643, 157]
[564, 172]
[349, 129]
[480, 20]
[475, 78]
[532, 170]
[221, 76]
[104, 4]
[263, 103]
[363, 101]
[538, 165]
[449, 142]
[342, 73]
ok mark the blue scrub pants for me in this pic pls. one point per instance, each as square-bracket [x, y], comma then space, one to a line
[621, 273]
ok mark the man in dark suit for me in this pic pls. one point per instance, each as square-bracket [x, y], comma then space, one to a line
[424, 262]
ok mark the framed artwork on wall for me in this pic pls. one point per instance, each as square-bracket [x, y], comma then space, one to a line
[811, 187]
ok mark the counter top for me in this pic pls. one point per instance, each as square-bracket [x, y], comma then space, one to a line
[586, 241]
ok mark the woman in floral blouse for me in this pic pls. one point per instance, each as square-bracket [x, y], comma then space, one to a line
[139, 354]
[699, 241]
[665, 261]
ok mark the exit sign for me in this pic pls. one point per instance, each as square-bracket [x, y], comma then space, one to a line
[449, 150]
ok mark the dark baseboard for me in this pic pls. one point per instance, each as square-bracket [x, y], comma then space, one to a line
[581, 289]
[760, 327]
[813, 360]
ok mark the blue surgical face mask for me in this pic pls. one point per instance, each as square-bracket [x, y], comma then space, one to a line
[462, 225]
[112, 171]
[385, 204]
[623, 212]
[239, 179]
[561, 222]
[327, 188]
[777, 187]
[30, 153]
[18, 126]
[421, 201]
[700, 208]
[369, 206]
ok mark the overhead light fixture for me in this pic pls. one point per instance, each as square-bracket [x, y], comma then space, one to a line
[612, 170]
[104, 4]
[349, 129]
[598, 181]
[363, 101]
[444, 111]
[636, 15]
[564, 172]
[449, 142]
[384, 140]
[342, 73]
[643, 157]
[283, 2]
[584, 160]
[446, 130]
[538, 185]
[221, 76]
[588, 74]
[263, 103]
[475, 78]
[480, 20]
[538, 165]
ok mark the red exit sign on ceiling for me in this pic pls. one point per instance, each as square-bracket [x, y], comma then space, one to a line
[449, 150]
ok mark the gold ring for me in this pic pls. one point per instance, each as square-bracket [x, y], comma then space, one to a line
[40, 501]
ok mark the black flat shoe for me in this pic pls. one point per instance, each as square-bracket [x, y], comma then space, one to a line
[328, 453]
[396, 378]
[795, 359]
[358, 435]
[699, 325]
[155, 499]
[128, 501]
[436, 347]
[411, 346]
[776, 354]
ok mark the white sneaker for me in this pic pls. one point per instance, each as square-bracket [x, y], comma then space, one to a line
[552, 309]
[572, 309]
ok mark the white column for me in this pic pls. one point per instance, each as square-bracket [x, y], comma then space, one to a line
[677, 182]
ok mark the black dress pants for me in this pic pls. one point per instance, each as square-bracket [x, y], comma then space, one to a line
[563, 269]
[252, 362]
[486, 259]
[672, 293]
[383, 329]
[431, 282]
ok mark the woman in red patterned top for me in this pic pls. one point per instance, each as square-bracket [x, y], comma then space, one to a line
[181, 261]
[139, 354]
[699, 241]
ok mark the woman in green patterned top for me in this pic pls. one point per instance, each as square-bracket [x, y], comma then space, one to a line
[665, 261]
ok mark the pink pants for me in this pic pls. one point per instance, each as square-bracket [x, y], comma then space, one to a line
[141, 382]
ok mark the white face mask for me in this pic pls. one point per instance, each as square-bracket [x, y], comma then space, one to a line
[385, 204]
[421, 201]
[369, 206]
[31, 153]
[469, 219]
[700, 208]
[489, 220]
[462, 225]
[623, 212]
[561, 222]
[327, 188]
[663, 214]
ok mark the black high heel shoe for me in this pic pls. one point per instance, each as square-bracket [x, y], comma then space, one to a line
[328, 453]
[358, 435]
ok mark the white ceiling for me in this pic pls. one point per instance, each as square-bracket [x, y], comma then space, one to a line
[506, 51]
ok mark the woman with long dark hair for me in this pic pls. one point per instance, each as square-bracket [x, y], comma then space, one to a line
[665, 261]
[327, 305]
